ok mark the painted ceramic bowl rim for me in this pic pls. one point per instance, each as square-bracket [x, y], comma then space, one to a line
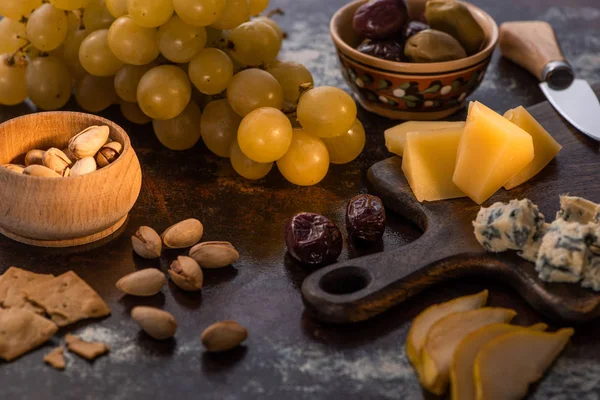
[415, 68]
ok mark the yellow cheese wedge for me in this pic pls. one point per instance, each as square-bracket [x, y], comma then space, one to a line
[395, 137]
[544, 145]
[428, 163]
[491, 151]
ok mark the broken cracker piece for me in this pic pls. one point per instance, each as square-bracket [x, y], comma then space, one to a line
[89, 350]
[67, 299]
[13, 282]
[56, 358]
[21, 331]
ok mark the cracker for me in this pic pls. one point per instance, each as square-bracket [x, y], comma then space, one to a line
[22, 330]
[89, 350]
[56, 358]
[13, 282]
[67, 299]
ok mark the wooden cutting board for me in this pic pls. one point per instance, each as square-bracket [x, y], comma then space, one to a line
[361, 288]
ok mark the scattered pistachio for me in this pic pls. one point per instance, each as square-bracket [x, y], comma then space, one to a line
[87, 142]
[145, 282]
[155, 322]
[186, 274]
[34, 157]
[56, 160]
[183, 234]
[40, 170]
[224, 335]
[108, 154]
[83, 166]
[15, 168]
[146, 242]
[214, 254]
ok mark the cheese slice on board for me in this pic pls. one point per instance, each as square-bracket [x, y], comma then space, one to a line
[428, 163]
[544, 145]
[395, 137]
[491, 151]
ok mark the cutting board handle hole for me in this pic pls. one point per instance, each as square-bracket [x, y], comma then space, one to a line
[345, 280]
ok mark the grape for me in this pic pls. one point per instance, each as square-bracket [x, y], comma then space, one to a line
[272, 23]
[254, 43]
[127, 80]
[326, 111]
[181, 132]
[12, 35]
[216, 38]
[96, 57]
[254, 88]
[246, 167]
[291, 76]
[236, 13]
[346, 147]
[13, 87]
[180, 42]
[74, 21]
[211, 71]
[17, 9]
[49, 83]
[219, 126]
[150, 13]
[306, 162]
[164, 92]
[47, 27]
[131, 43]
[71, 52]
[265, 135]
[133, 113]
[200, 12]
[257, 6]
[69, 4]
[95, 93]
[96, 16]
[117, 8]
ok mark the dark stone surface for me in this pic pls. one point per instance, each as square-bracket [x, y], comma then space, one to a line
[287, 354]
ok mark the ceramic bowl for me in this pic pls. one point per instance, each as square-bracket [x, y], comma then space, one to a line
[62, 212]
[409, 91]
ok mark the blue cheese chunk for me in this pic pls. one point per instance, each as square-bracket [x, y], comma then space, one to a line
[531, 249]
[577, 209]
[591, 275]
[565, 251]
[501, 227]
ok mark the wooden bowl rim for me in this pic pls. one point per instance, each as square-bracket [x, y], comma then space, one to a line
[415, 68]
[100, 120]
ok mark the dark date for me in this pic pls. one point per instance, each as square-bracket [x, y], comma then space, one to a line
[413, 28]
[387, 49]
[365, 218]
[313, 239]
[380, 19]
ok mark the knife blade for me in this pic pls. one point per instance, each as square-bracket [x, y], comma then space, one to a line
[533, 45]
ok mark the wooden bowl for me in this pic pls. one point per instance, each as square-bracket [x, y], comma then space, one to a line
[62, 212]
[410, 91]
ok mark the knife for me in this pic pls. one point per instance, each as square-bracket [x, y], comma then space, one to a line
[533, 45]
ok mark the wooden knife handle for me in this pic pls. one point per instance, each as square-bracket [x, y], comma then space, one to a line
[531, 44]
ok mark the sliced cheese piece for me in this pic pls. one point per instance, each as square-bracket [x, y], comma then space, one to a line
[544, 145]
[395, 137]
[491, 151]
[428, 163]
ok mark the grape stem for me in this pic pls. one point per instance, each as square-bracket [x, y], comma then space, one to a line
[276, 11]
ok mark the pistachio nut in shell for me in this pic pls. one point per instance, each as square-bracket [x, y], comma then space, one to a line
[214, 254]
[108, 153]
[34, 157]
[84, 166]
[146, 243]
[145, 282]
[69, 154]
[183, 234]
[186, 274]
[66, 173]
[40, 170]
[14, 168]
[87, 142]
[56, 160]
[157, 323]
[223, 336]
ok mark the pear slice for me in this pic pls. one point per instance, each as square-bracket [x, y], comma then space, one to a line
[443, 338]
[422, 322]
[519, 358]
[461, 371]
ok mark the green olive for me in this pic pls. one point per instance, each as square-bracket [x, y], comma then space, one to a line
[433, 46]
[455, 19]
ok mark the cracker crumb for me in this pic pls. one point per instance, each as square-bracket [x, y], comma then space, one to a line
[56, 358]
[88, 350]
